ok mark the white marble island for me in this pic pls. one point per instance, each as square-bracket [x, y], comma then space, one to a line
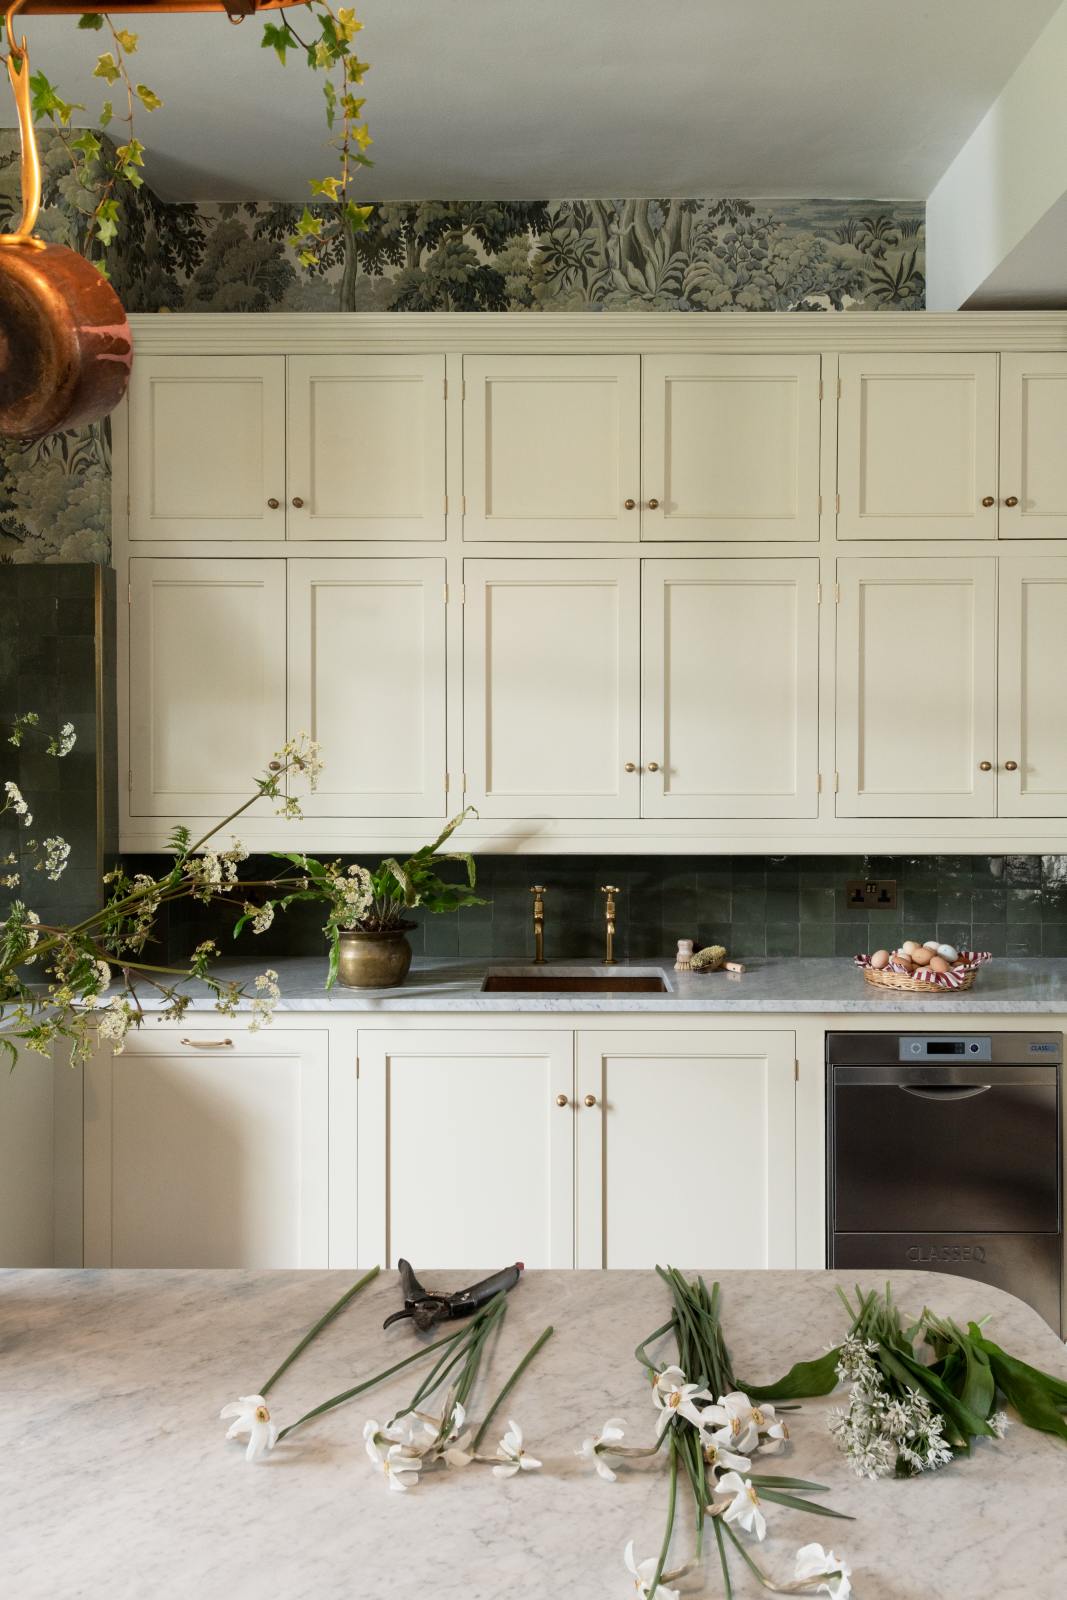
[117, 1481]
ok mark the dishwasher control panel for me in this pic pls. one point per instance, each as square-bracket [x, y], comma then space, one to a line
[946, 1047]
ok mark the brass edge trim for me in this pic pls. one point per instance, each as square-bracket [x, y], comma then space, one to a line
[98, 687]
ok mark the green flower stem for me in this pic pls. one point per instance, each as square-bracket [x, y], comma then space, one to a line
[541, 1340]
[641, 1353]
[672, 1501]
[313, 1333]
[727, 1586]
[368, 1383]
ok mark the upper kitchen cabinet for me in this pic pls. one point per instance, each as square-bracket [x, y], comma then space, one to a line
[917, 447]
[1033, 446]
[366, 456]
[206, 682]
[916, 688]
[1032, 735]
[730, 688]
[367, 680]
[551, 448]
[730, 447]
[207, 447]
[551, 687]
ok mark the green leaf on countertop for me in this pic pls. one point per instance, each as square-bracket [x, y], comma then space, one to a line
[92, 21]
[803, 1380]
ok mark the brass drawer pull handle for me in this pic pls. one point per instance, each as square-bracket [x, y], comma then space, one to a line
[590, 1100]
[297, 501]
[1012, 500]
[653, 766]
[1011, 766]
[985, 766]
[988, 500]
[629, 504]
[631, 766]
[208, 1044]
[653, 505]
[561, 1101]
[273, 503]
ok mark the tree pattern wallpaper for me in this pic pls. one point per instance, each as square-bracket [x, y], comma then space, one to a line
[690, 255]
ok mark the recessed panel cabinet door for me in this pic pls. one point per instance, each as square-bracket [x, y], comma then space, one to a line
[207, 447]
[366, 447]
[466, 1158]
[550, 447]
[916, 686]
[1033, 446]
[1032, 742]
[730, 688]
[208, 1148]
[367, 680]
[686, 1153]
[730, 447]
[917, 447]
[207, 682]
[551, 688]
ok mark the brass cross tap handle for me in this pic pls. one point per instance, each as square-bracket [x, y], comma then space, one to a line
[539, 891]
[609, 891]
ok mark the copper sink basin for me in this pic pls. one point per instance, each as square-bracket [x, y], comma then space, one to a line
[535, 980]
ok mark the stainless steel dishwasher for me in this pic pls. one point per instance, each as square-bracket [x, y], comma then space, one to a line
[943, 1152]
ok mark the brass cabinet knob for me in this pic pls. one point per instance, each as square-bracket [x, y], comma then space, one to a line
[1011, 766]
[629, 504]
[297, 501]
[590, 1100]
[561, 1100]
[988, 500]
[985, 766]
[631, 766]
[1012, 500]
[653, 766]
[273, 503]
[653, 504]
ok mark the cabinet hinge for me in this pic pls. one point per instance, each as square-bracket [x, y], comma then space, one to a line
[129, 594]
[837, 594]
[839, 388]
[447, 783]
[837, 782]
[837, 502]
[129, 779]
[463, 389]
[446, 505]
[357, 1066]
[444, 385]
[463, 594]
[820, 505]
[818, 594]
[446, 593]
[796, 1071]
[463, 777]
[464, 499]
[127, 505]
[818, 783]
[820, 388]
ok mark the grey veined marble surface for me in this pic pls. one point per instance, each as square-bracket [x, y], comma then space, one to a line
[791, 984]
[117, 1481]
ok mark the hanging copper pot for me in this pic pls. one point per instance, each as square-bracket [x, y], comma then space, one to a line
[65, 348]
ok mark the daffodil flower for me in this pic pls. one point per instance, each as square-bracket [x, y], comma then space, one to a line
[594, 1449]
[676, 1398]
[399, 1465]
[815, 1562]
[720, 1459]
[512, 1454]
[643, 1573]
[744, 1504]
[733, 1419]
[251, 1416]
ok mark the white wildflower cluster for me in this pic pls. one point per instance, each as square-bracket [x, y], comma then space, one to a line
[405, 1447]
[9, 880]
[882, 1432]
[353, 894]
[214, 871]
[266, 998]
[13, 801]
[64, 741]
[302, 754]
[114, 1023]
[261, 916]
[56, 854]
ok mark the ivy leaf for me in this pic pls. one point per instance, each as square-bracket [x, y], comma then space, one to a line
[276, 38]
[324, 55]
[88, 144]
[354, 69]
[309, 225]
[358, 216]
[307, 258]
[330, 94]
[46, 102]
[361, 135]
[107, 221]
[132, 154]
[92, 21]
[351, 106]
[330, 187]
[107, 68]
[148, 97]
[347, 24]
[127, 40]
[106, 113]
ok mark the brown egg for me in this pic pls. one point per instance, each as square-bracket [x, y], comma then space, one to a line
[907, 947]
[920, 955]
[880, 959]
[939, 964]
[904, 961]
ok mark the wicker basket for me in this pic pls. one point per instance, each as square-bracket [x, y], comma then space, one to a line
[884, 979]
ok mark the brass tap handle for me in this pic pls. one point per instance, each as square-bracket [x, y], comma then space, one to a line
[609, 891]
[538, 890]
[1011, 766]
[1012, 500]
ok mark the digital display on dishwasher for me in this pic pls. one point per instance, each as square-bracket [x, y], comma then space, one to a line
[942, 1046]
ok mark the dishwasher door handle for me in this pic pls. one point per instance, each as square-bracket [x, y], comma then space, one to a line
[947, 1092]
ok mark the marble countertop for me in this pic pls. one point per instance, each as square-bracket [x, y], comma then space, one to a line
[116, 1479]
[790, 984]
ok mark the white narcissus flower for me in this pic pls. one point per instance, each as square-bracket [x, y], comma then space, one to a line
[594, 1449]
[720, 1459]
[675, 1398]
[815, 1562]
[771, 1429]
[251, 1416]
[512, 1454]
[643, 1573]
[744, 1506]
[399, 1465]
[734, 1422]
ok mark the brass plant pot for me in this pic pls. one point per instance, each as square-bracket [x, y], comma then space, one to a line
[374, 960]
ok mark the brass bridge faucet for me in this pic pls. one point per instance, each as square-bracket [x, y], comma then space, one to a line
[538, 891]
[609, 890]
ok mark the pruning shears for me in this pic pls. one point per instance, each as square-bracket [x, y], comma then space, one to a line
[428, 1307]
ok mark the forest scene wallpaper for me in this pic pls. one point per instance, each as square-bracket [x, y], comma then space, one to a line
[690, 255]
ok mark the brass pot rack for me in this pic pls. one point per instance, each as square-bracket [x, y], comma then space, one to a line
[236, 10]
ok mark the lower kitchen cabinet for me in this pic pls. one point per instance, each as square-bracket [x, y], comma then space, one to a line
[685, 1149]
[466, 1148]
[209, 1147]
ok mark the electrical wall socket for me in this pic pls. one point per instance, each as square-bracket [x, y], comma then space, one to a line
[865, 894]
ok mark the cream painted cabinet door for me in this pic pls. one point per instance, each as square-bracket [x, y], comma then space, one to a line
[730, 447]
[730, 688]
[208, 1147]
[366, 447]
[687, 1151]
[551, 688]
[207, 447]
[1032, 740]
[1033, 446]
[908, 744]
[367, 680]
[917, 447]
[466, 1157]
[551, 447]
[207, 682]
